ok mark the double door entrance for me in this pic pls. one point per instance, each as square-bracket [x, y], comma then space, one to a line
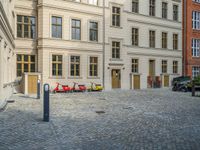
[116, 78]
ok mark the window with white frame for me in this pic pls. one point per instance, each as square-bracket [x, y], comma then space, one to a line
[198, 1]
[195, 71]
[195, 47]
[93, 2]
[196, 20]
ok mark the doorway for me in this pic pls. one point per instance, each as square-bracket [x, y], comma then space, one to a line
[116, 78]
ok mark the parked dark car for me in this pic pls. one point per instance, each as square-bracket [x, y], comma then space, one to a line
[181, 83]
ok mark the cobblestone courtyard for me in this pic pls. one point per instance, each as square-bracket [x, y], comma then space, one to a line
[145, 120]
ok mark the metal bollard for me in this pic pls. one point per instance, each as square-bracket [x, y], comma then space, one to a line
[38, 89]
[193, 89]
[46, 103]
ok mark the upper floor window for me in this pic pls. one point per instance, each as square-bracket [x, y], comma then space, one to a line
[93, 31]
[26, 27]
[164, 66]
[175, 12]
[164, 40]
[57, 65]
[116, 16]
[152, 7]
[76, 29]
[135, 6]
[152, 39]
[195, 47]
[56, 27]
[93, 67]
[93, 2]
[175, 41]
[198, 1]
[75, 65]
[135, 36]
[77, 0]
[116, 50]
[25, 63]
[135, 66]
[196, 20]
[164, 10]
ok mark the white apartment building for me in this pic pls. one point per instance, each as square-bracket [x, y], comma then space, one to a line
[7, 56]
[127, 44]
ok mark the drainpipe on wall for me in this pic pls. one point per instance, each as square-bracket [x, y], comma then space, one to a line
[103, 44]
[184, 36]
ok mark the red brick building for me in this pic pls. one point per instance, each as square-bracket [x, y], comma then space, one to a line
[191, 37]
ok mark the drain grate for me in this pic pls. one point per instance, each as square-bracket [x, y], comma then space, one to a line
[100, 112]
[10, 101]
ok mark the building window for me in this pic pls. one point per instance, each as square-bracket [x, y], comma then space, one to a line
[164, 40]
[116, 16]
[26, 27]
[25, 63]
[93, 2]
[197, 1]
[164, 10]
[195, 71]
[175, 66]
[135, 6]
[75, 65]
[175, 12]
[76, 29]
[152, 39]
[116, 50]
[93, 31]
[196, 20]
[152, 7]
[56, 27]
[195, 48]
[135, 66]
[135, 36]
[93, 66]
[175, 41]
[164, 66]
[57, 65]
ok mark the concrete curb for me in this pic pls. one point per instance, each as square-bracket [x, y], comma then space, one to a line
[3, 106]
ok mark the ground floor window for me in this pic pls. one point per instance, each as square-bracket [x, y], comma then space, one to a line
[164, 66]
[25, 63]
[175, 66]
[195, 71]
[135, 65]
[75, 65]
[93, 66]
[57, 65]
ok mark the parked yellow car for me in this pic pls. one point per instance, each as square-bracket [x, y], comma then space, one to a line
[95, 87]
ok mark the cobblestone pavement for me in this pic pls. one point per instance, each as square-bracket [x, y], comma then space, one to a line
[133, 120]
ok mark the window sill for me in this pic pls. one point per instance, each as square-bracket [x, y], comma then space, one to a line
[115, 59]
[75, 77]
[116, 27]
[135, 73]
[53, 38]
[195, 57]
[93, 77]
[28, 39]
[56, 77]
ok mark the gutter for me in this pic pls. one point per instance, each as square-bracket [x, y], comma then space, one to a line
[184, 37]
[103, 44]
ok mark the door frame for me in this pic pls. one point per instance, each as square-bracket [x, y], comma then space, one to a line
[119, 87]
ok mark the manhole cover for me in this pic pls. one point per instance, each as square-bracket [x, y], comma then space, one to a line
[100, 112]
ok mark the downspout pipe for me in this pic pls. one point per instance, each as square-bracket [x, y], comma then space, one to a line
[184, 37]
[103, 72]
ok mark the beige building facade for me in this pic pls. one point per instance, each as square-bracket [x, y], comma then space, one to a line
[126, 44]
[7, 46]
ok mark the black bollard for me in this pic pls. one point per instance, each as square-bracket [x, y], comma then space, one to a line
[46, 103]
[38, 89]
[193, 89]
